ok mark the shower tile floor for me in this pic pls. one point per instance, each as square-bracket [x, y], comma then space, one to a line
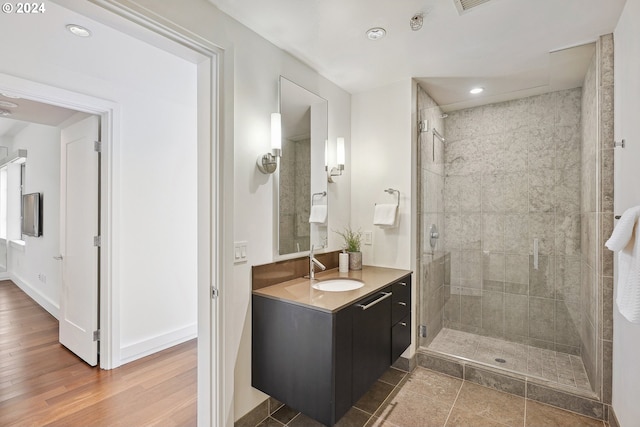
[565, 369]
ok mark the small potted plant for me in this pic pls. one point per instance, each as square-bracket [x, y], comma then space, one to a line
[352, 242]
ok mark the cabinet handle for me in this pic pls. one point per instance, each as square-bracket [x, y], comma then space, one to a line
[403, 283]
[371, 304]
[403, 323]
[404, 304]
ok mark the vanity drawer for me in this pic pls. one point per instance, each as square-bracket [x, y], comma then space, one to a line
[401, 299]
[400, 337]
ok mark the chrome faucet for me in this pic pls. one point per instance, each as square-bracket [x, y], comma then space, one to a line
[312, 263]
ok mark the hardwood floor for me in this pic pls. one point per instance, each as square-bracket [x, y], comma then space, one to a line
[44, 384]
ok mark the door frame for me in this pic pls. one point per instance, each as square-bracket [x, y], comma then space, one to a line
[212, 381]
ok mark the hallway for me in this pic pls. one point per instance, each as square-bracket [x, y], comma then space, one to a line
[42, 383]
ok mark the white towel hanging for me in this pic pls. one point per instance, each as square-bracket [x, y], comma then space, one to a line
[318, 214]
[385, 215]
[625, 240]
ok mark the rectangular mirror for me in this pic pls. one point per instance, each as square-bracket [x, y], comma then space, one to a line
[302, 179]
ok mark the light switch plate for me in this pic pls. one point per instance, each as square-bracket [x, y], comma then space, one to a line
[368, 237]
[239, 252]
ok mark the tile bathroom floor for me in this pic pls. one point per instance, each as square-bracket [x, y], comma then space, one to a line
[425, 398]
[550, 365]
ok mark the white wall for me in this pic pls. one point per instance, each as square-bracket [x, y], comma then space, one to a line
[381, 158]
[32, 266]
[252, 67]
[154, 165]
[626, 336]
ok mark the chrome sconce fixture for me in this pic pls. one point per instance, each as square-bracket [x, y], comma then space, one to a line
[340, 156]
[268, 163]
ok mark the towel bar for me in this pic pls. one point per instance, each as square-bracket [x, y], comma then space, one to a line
[391, 191]
[321, 194]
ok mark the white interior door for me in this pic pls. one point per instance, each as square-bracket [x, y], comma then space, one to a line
[79, 224]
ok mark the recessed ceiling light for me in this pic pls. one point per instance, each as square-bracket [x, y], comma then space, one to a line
[8, 104]
[476, 90]
[5, 113]
[376, 33]
[78, 30]
[6, 95]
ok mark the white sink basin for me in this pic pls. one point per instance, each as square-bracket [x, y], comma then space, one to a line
[338, 285]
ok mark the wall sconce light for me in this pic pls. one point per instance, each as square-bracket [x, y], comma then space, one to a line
[337, 170]
[268, 163]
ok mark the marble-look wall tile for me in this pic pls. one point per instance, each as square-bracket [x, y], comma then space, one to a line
[542, 227]
[470, 193]
[493, 193]
[606, 180]
[516, 316]
[541, 190]
[542, 110]
[607, 308]
[606, 117]
[568, 235]
[452, 231]
[528, 188]
[568, 319]
[516, 152]
[517, 273]
[567, 197]
[471, 231]
[516, 193]
[542, 278]
[567, 277]
[470, 310]
[493, 312]
[493, 271]
[493, 232]
[569, 107]
[606, 62]
[516, 234]
[471, 269]
[542, 318]
[493, 152]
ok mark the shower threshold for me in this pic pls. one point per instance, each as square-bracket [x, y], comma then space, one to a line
[564, 369]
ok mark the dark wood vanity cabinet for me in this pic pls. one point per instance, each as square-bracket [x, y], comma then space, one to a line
[400, 317]
[371, 341]
[321, 363]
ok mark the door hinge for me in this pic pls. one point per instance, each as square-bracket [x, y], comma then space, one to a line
[97, 146]
[97, 241]
[96, 335]
[214, 293]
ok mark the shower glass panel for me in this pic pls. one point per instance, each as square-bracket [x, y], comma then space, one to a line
[502, 284]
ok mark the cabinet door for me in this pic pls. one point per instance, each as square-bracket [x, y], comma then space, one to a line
[400, 337]
[371, 341]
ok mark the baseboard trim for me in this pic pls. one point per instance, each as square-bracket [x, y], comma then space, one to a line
[153, 345]
[36, 295]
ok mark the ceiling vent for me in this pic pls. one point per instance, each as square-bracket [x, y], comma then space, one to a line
[465, 5]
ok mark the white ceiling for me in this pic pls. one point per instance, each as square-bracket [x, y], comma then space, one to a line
[28, 111]
[504, 45]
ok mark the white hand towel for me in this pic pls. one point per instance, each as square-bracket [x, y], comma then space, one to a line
[385, 215]
[318, 214]
[625, 239]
